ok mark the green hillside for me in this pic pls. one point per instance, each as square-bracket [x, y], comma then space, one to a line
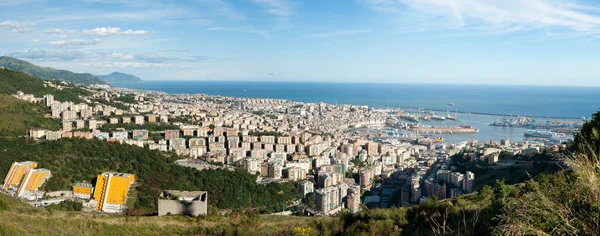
[47, 73]
[17, 117]
[13, 81]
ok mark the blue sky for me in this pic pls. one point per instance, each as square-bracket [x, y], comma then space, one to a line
[550, 42]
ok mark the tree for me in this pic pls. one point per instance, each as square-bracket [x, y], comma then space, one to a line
[211, 126]
[309, 199]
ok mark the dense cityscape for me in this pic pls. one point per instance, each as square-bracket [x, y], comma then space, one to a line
[337, 155]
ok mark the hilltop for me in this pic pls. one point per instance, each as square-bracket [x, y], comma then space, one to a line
[118, 77]
[48, 73]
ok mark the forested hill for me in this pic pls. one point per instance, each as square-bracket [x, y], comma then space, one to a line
[47, 73]
[13, 81]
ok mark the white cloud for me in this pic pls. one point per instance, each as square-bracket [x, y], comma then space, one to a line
[337, 33]
[494, 15]
[107, 31]
[17, 26]
[62, 32]
[75, 42]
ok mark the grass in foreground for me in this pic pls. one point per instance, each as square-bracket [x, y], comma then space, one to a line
[16, 218]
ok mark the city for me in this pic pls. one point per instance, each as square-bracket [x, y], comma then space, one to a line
[314, 145]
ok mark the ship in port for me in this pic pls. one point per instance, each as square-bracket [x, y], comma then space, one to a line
[450, 117]
[539, 134]
[409, 117]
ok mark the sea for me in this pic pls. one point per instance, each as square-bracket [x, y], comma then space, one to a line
[477, 105]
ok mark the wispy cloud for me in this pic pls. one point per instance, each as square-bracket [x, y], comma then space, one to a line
[62, 32]
[282, 10]
[130, 15]
[74, 42]
[277, 73]
[337, 33]
[106, 58]
[18, 26]
[495, 15]
[220, 7]
[174, 50]
[249, 30]
[107, 31]
[186, 21]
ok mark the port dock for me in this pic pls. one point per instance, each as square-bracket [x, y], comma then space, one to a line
[445, 130]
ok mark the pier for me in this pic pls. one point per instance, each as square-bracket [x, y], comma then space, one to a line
[445, 130]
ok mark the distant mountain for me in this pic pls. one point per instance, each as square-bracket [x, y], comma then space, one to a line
[118, 77]
[48, 73]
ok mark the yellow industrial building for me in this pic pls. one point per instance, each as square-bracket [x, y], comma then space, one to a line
[83, 190]
[32, 181]
[16, 173]
[111, 191]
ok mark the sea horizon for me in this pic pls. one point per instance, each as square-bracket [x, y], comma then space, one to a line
[524, 100]
[373, 82]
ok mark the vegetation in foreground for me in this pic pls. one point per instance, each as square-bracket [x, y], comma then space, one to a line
[547, 205]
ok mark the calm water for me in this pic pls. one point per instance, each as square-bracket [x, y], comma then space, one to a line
[544, 101]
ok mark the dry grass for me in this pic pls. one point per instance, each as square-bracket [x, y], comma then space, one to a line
[22, 219]
[566, 204]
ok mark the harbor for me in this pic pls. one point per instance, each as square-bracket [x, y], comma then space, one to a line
[480, 127]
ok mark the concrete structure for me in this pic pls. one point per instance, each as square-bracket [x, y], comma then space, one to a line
[138, 120]
[139, 134]
[468, 182]
[83, 190]
[37, 133]
[169, 134]
[17, 172]
[48, 100]
[32, 181]
[111, 191]
[353, 200]
[327, 199]
[182, 203]
[306, 187]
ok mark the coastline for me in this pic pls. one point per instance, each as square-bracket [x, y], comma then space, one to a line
[400, 107]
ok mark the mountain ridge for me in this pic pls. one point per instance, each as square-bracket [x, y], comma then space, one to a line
[119, 77]
[48, 73]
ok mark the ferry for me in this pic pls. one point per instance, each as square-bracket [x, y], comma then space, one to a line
[438, 118]
[539, 134]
